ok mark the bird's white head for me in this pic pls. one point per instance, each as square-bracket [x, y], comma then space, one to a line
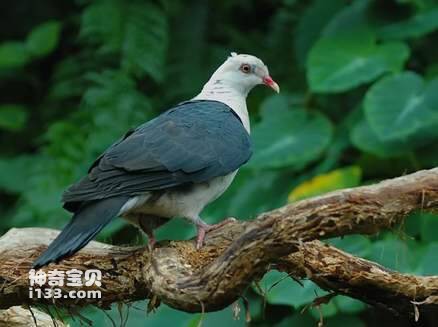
[243, 72]
[232, 81]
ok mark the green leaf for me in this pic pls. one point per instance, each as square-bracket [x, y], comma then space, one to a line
[349, 305]
[299, 319]
[15, 173]
[175, 229]
[288, 137]
[339, 63]
[218, 319]
[311, 23]
[13, 55]
[400, 105]
[344, 320]
[429, 261]
[431, 72]
[253, 195]
[412, 224]
[134, 30]
[423, 23]
[145, 42]
[102, 24]
[357, 245]
[393, 254]
[334, 180]
[429, 227]
[279, 288]
[44, 38]
[365, 139]
[352, 17]
[136, 315]
[326, 310]
[72, 143]
[12, 117]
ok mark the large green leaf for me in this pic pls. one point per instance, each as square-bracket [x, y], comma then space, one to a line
[12, 117]
[365, 139]
[250, 194]
[429, 261]
[176, 229]
[218, 319]
[400, 105]
[418, 25]
[344, 320]
[44, 38]
[358, 245]
[326, 310]
[344, 61]
[429, 227]
[310, 25]
[13, 55]
[299, 319]
[394, 254]
[135, 315]
[353, 16]
[288, 136]
[431, 72]
[349, 305]
[412, 224]
[279, 288]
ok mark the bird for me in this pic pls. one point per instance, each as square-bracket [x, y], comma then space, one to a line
[170, 166]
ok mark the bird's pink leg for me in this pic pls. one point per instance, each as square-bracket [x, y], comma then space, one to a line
[204, 228]
[151, 241]
[150, 234]
[148, 223]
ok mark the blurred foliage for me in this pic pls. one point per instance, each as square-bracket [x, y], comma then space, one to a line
[359, 103]
[334, 180]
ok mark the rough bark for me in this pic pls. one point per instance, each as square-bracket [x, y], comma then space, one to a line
[239, 253]
[18, 317]
[343, 273]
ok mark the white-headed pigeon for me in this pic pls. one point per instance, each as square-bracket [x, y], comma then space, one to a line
[171, 166]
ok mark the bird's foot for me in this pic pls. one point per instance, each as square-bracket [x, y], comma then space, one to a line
[204, 228]
[151, 242]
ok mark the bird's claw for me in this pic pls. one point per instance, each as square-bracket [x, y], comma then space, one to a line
[151, 243]
[204, 228]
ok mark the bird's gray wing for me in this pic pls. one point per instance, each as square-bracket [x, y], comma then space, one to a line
[191, 143]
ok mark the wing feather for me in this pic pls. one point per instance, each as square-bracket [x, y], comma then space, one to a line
[191, 143]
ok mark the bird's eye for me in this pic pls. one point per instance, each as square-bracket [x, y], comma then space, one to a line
[245, 68]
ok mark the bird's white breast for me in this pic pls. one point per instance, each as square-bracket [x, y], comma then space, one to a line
[183, 202]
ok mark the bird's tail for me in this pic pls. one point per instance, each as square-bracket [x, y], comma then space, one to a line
[84, 225]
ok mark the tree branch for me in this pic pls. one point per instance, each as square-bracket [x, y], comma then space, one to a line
[343, 273]
[20, 317]
[234, 256]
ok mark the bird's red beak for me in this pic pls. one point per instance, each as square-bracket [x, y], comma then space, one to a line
[268, 81]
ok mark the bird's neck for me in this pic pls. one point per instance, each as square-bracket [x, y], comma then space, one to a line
[219, 90]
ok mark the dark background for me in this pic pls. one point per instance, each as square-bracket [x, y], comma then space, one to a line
[359, 103]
